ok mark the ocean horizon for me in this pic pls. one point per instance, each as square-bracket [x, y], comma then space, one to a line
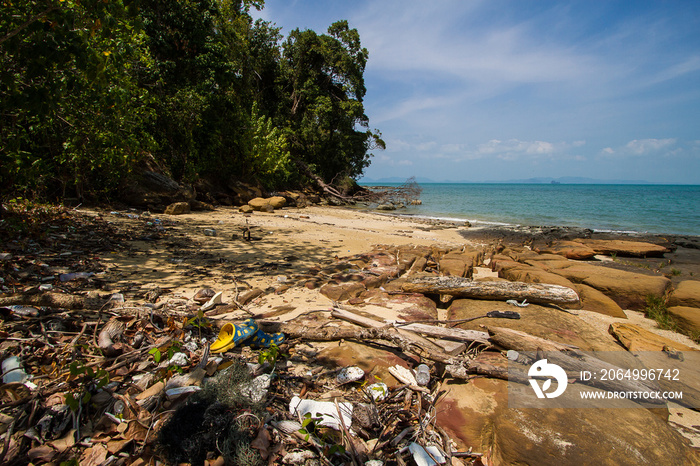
[627, 208]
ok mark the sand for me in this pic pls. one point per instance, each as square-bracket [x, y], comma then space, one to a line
[286, 243]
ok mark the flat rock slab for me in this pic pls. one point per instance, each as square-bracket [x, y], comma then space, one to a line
[476, 415]
[628, 289]
[635, 338]
[570, 249]
[544, 322]
[624, 247]
[587, 436]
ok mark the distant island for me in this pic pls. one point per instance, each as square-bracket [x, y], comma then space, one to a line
[539, 180]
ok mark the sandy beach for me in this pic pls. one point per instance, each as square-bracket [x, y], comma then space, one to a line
[286, 244]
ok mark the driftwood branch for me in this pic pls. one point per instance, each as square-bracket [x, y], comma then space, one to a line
[466, 288]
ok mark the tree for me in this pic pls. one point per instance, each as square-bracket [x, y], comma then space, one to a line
[328, 129]
[70, 114]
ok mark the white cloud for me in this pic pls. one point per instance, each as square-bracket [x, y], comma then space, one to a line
[608, 151]
[646, 146]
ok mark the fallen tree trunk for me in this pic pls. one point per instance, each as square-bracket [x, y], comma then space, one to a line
[466, 288]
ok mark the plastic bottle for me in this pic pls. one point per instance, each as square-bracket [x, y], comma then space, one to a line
[13, 371]
[422, 375]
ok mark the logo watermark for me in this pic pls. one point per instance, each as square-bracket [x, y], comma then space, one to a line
[603, 379]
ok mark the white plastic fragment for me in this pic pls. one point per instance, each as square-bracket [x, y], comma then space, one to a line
[216, 299]
[349, 374]
[378, 391]
[423, 457]
[325, 410]
[513, 302]
[179, 359]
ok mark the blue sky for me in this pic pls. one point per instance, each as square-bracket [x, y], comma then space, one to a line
[498, 90]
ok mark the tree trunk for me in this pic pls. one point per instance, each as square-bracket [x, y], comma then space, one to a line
[466, 288]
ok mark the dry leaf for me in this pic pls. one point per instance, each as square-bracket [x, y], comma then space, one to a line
[94, 456]
[42, 452]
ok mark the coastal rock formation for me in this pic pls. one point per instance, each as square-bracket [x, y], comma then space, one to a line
[628, 289]
[687, 293]
[267, 204]
[178, 208]
[624, 248]
[687, 318]
[635, 338]
[597, 301]
[569, 249]
[539, 321]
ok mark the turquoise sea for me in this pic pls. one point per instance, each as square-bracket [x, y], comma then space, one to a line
[659, 209]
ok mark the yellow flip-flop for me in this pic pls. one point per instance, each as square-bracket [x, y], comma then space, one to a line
[230, 335]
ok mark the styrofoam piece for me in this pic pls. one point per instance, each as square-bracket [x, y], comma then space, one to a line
[421, 456]
[325, 410]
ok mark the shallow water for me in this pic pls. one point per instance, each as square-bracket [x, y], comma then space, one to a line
[659, 209]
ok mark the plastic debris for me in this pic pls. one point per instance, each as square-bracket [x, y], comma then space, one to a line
[209, 232]
[13, 371]
[179, 359]
[65, 277]
[422, 375]
[378, 391]
[177, 391]
[513, 302]
[324, 410]
[211, 304]
[349, 374]
[424, 456]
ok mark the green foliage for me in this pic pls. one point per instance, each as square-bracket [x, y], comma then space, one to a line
[84, 381]
[88, 88]
[656, 310]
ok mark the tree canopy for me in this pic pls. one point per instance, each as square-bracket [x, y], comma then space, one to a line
[89, 89]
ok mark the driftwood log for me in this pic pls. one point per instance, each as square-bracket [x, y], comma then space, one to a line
[466, 288]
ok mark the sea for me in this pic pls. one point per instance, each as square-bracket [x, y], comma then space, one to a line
[628, 208]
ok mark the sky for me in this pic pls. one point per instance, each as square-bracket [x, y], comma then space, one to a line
[470, 90]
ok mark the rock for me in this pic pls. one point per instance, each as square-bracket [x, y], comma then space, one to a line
[688, 318]
[267, 204]
[528, 274]
[624, 248]
[628, 289]
[178, 208]
[342, 292]
[569, 249]
[277, 202]
[540, 321]
[245, 209]
[635, 338]
[686, 294]
[455, 267]
[386, 207]
[595, 301]
[587, 436]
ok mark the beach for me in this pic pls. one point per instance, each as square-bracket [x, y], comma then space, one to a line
[306, 271]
